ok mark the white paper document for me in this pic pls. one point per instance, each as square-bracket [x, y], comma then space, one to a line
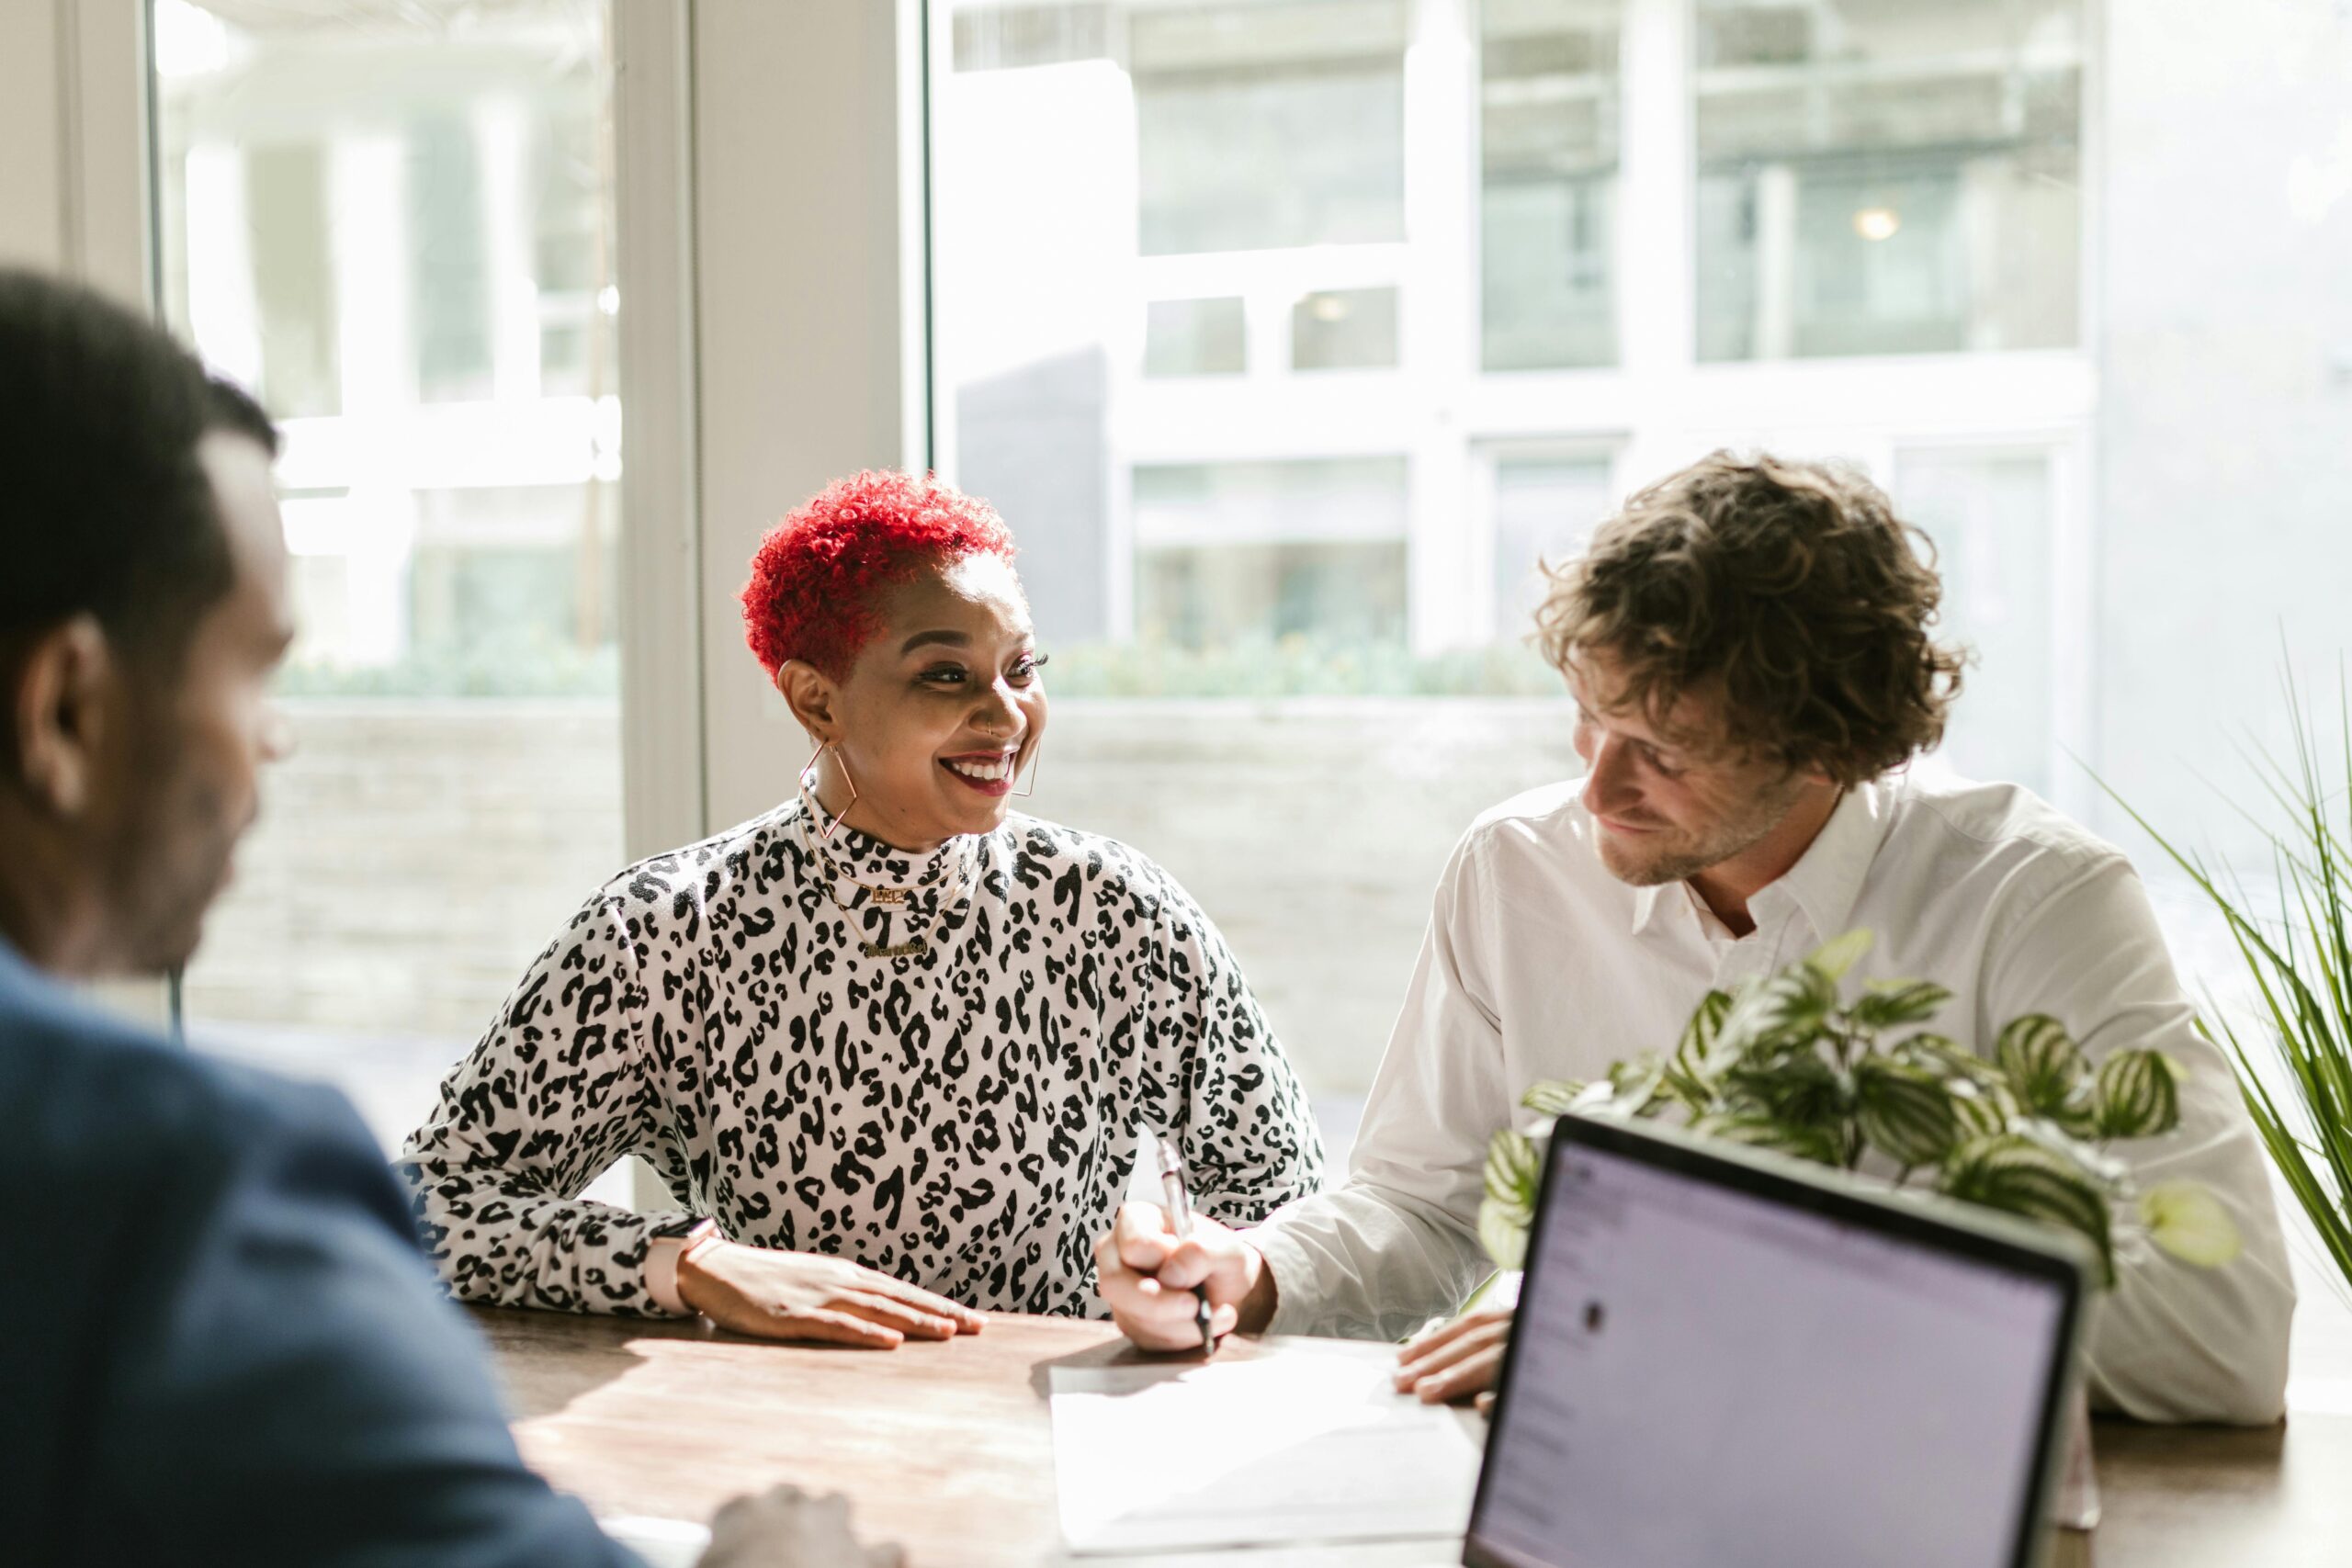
[664, 1543]
[1305, 1441]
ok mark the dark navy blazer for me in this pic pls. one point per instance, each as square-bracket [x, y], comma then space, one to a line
[219, 1343]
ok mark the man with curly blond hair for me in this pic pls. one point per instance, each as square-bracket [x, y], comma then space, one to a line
[1751, 647]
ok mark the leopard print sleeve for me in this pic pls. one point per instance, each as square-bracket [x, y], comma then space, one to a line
[1250, 1142]
[554, 1095]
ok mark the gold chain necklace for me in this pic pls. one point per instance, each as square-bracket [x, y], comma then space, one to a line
[878, 896]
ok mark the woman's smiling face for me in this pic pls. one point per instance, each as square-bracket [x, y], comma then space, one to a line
[940, 711]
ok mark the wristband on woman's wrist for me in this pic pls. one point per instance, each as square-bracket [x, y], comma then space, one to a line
[671, 1244]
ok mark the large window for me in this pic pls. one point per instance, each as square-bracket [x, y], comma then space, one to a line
[1290, 336]
[1548, 125]
[1295, 336]
[1889, 178]
[394, 224]
[1267, 126]
[1991, 512]
[1199, 267]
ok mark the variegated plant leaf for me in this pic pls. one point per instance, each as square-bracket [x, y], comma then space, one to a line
[2062, 1143]
[1890, 1002]
[1503, 1232]
[2044, 1067]
[1802, 1091]
[1979, 1111]
[1553, 1096]
[1942, 1054]
[2019, 1176]
[1694, 1052]
[1785, 1010]
[2139, 1094]
[1761, 1132]
[1514, 1171]
[2188, 1222]
[1833, 958]
[1903, 1112]
[1634, 1085]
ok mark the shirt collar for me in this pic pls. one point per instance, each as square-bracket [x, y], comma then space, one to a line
[1827, 881]
[876, 863]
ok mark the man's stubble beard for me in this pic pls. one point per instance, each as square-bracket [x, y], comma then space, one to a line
[172, 860]
[1734, 836]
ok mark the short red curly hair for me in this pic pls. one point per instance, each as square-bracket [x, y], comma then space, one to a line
[818, 578]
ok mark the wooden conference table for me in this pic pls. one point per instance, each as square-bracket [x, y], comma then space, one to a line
[947, 1448]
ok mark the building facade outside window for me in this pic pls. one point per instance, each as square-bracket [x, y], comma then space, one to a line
[1293, 336]
[395, 227]
[1203, 270]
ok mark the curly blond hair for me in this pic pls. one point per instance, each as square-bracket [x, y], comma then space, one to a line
[1789, 589]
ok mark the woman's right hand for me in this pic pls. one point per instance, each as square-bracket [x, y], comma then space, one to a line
[806, 1295]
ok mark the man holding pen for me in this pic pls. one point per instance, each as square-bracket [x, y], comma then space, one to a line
[1749, 646]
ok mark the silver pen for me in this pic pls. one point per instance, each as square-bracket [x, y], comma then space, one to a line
[1180, 1220]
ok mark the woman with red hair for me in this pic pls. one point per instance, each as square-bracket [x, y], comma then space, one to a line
[890, 1044]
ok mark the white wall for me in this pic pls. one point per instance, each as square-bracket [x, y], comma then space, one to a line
[32, 210]
[2224, 307]
[798, 219]
[74, 120]
[72, 192]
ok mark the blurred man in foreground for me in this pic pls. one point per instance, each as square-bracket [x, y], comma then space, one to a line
[220, 1342]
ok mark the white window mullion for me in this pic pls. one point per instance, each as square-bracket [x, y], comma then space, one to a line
[1438, 326]
[108, 220]
[663, 788]
[800, 290]
[1656, 261]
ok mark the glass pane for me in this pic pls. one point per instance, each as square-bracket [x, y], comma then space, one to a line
[1344, 329]
[1133, 196]
[394, 223]
[1844, 217]
[1887, 178]
[1547, 150]
[1195, 337]
[1247, 598]
[1262, 126]
[1546, 507]
[1988, 514]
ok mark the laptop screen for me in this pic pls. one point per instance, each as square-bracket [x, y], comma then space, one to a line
[1705, 1374]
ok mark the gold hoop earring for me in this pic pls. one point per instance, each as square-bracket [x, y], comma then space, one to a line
[1036, 760]
[843, 815]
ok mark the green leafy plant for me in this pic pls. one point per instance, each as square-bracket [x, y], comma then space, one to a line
[2300, 965]
[1785, 1063]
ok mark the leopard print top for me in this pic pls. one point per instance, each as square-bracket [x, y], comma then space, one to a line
[963, 1117]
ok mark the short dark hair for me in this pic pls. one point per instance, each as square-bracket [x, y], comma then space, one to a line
[1790, 588]
[229, 407]
[105, 509]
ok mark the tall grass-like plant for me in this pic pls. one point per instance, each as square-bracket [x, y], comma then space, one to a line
[2301, 963]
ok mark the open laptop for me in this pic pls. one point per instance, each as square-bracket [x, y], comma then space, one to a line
[1721, 1359]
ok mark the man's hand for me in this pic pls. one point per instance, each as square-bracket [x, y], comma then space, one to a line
[805, 1295]
[1456, 1359]
[786, 1528]
[1146, 1276]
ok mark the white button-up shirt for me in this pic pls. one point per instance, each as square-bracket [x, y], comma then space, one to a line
[1539, 964]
